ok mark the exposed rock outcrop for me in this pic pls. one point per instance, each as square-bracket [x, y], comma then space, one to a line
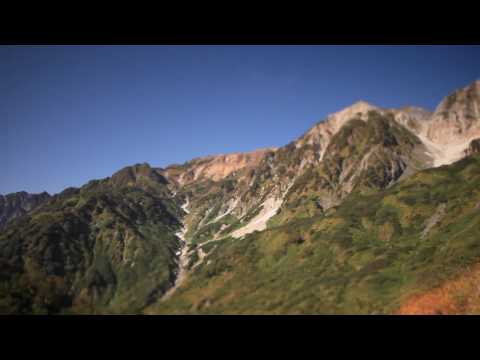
[473, 148]
[116, 244]
[215, 167]
[455, 123]
[457, 117]
[17, 204]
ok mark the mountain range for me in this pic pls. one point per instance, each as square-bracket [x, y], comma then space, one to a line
[371, 211]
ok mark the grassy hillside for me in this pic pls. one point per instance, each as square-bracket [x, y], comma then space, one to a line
[105, 248]
[367, 256]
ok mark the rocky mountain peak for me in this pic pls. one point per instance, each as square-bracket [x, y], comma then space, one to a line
[358, 110]
[131, 240]
[17, 204]
[135, 174]
[464, 101]
[454, 124]
[361, 106]
[321, 134]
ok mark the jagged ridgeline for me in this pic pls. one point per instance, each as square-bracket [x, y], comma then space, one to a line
[17, 204]
[371, 211]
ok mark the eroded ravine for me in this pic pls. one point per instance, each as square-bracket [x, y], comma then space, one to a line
[183, 258]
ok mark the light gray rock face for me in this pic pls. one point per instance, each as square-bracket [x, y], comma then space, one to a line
[457, 117]
[413, 118]
[17, 204]
[448, 132]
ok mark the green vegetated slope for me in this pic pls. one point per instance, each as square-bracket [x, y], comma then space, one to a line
[361, 227]
[107, 247]
[365, 256]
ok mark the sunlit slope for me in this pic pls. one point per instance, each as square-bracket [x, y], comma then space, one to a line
[367, 256]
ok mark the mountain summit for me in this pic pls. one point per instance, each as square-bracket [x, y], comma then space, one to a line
[372, 210]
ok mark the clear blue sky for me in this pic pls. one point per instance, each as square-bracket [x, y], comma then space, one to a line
[70, 114]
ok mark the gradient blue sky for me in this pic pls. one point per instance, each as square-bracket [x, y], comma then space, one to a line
[70, 114]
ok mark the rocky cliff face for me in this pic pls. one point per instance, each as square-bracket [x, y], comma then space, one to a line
[375, 253]
[214, 168]
[111, 244]
[453, 125]
[457, 116]
[17, 204]
[360, 147]
[321, 134]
